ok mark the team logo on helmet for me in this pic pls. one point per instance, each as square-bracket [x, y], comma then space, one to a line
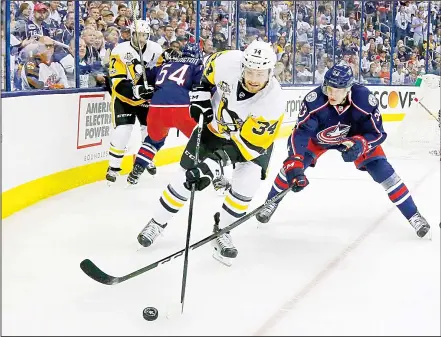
[333, 135]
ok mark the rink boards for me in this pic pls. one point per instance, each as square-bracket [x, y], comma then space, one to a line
[54, 143]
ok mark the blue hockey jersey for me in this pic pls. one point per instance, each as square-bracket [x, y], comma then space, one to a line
[327, 125]
[174, 80]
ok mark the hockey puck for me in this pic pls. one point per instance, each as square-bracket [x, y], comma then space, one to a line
[150, 313]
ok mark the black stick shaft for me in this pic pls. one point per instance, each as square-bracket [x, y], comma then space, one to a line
[98, 275]
[190, 215]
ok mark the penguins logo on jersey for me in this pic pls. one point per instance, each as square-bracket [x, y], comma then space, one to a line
[333, 135]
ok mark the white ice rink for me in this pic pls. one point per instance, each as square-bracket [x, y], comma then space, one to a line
[336, 259]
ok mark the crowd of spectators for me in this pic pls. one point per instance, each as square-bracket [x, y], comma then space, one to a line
[385, 42]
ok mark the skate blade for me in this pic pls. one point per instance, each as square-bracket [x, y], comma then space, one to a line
[110, 183]
[226, 261]
[428, 235]
[129, 185]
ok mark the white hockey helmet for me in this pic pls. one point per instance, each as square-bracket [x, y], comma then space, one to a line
[140, 26]
[259, 55]
[137, 28]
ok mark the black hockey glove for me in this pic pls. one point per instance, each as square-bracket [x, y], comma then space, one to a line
[294, 171]
[168, 55]
[201, 176]
[200, 103]
[141, 92]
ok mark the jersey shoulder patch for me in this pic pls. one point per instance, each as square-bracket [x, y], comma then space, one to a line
[372, 100]
[363, 98]
[311, 97]
[314, 99]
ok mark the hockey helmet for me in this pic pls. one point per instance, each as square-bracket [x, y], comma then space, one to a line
[339, 76]
[259, 55]
[139, 27]
[191, 50]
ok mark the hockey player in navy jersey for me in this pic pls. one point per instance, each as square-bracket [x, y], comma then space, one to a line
[169, 107]
[344, 116]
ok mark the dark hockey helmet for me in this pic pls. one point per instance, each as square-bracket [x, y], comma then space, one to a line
[338, 76]
[191, 50]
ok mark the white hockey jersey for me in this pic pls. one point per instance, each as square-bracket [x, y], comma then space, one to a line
[124, 64]
[252, 123]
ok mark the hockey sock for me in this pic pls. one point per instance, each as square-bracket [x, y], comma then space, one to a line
[234, 207]
[147, 151]
[173, 198]
[382, 172]
[280, 184]
[119, 139]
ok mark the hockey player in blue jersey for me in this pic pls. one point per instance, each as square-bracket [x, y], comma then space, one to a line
[344, 116]
[169, 106]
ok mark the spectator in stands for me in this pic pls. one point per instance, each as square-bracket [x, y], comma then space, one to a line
[108, 18]
[67, 29]
[121, 21]
[111, 37]
[320, 73]
[124, 34]
[279, 72]
[38, 70]
[398, 76]
[219, 39]
[168, 37]
[303, 75]
[35, 25]
[53, 12]
[385, 73]
[90, 23]
[417, 26]
[68, 62]
[92, 54]
[22, 18]
[208, 48]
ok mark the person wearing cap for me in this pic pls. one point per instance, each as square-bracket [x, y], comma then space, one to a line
[35, 26]
[124, 34]
[108, 17]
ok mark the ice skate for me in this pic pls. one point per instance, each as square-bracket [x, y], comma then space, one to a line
[224, 249]
[111, 175]
[151, 168]
[150, 232]
[420, 224]
[265, 214]
[135, 174]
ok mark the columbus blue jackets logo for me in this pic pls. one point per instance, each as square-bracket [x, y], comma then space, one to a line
[333, 135]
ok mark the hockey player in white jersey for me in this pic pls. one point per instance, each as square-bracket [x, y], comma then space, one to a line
[241, 121]
[129, 94]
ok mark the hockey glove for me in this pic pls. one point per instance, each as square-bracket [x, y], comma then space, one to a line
[141, 92]
[200, 176]
[200, 103]
[355, 147]
[294, 171]
[167, 55]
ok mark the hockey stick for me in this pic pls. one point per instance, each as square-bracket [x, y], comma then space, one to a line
[98, 275]
[190, 213]
[141, 55]
[425, 108]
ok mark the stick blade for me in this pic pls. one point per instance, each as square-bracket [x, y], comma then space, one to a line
[91, 270]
